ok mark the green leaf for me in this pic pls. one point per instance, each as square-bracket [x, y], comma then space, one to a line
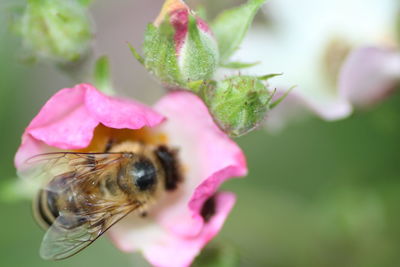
[102, 76]
[136, 54]
[279, 100]
[159, 54]
[231, 26]
[269, 76]
[239, 65]
[199, 56]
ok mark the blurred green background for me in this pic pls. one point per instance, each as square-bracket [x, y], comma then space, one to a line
[318, 193]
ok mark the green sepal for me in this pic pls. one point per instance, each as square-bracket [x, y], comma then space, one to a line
[159, 54]
[199, 56]
[239, 65]
[231, 26]
[280, 99]
[269, 76]
[134, 52]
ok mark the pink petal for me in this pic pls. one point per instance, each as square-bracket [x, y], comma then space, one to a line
[369, 74]
[208, 155]
[179, 20]
[290, 109]
[329, 107]
[119, 113]
[29, 147]
[64, 122]
[165, 249]
[68, 119]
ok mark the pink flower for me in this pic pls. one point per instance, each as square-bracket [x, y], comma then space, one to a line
[337, 63]
[176, 228]
[369, 74]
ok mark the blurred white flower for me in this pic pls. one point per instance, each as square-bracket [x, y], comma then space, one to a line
[310, 41]
[369, 74]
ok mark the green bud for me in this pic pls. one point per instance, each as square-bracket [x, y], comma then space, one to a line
[238, 104]
[179, 47]
[56, 30]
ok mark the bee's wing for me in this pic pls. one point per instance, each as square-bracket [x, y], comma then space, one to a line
[74, 230]
[74, 167]
[60, 242]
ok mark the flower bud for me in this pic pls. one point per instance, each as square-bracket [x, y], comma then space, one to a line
[179, 47]
[238, 104]
[56, 30]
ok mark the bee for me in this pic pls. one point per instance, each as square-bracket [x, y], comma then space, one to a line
[84, 194]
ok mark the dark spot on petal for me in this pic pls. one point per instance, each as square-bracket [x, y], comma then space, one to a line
[209, 208]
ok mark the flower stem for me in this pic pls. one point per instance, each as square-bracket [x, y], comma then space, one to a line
[102, 76]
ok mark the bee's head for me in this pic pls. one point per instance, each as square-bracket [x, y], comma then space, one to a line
[144, 174]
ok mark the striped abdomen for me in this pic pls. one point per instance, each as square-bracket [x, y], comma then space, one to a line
[58, 198]
[77, 201]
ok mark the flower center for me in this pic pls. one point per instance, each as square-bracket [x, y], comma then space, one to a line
[333, 57]
[145, 140]
[104, 138]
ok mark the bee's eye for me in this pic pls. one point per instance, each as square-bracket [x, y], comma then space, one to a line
[144, 174]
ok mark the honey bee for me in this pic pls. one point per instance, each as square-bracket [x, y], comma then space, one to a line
[84, 194]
